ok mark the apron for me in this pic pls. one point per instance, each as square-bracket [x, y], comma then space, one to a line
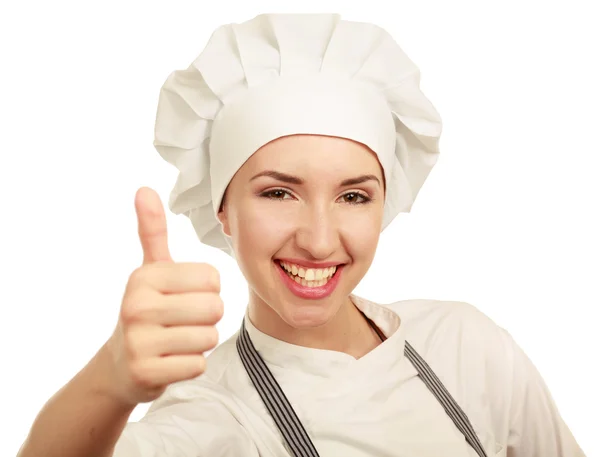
[292, 430]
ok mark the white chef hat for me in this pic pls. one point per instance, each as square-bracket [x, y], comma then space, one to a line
[283, 74]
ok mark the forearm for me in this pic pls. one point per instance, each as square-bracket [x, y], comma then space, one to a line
[80, 420]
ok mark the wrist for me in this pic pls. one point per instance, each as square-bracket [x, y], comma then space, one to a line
[102, 376]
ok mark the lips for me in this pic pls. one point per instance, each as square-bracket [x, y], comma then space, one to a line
[311, 289]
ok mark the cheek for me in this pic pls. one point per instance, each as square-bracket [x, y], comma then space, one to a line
[360, 232]
[260, 228]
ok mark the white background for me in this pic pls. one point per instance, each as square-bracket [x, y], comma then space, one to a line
[507, 221]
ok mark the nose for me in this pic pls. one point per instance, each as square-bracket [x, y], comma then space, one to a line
[318, 232]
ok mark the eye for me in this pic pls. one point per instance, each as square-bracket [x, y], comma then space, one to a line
[276, 194]
[355, 198]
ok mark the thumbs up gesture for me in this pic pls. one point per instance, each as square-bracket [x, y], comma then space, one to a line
[168, 314]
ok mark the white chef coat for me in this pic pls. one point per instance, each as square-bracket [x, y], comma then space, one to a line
[375, 406]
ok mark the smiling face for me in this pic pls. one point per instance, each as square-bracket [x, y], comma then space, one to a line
[313, 204]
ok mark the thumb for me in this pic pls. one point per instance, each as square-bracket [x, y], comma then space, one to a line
[152, 226]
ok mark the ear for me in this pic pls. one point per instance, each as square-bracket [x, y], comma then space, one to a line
[224, 220]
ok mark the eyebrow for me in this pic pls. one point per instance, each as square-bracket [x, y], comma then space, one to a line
[290, 179]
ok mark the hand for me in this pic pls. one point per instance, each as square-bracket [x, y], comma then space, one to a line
[168, 314]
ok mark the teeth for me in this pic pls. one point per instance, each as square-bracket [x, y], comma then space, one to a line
[310, 274]
[309, 277]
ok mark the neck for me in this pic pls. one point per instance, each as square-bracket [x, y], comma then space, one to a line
[347, 330]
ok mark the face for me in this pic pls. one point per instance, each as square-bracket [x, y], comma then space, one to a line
[304, 214]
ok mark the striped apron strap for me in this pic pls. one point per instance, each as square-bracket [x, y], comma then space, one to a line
[450, 406]
[292, 430]
[274, 399]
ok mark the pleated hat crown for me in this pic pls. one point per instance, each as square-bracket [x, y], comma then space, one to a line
[284, 74]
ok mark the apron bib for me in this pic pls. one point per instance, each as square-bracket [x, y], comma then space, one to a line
[292, 430]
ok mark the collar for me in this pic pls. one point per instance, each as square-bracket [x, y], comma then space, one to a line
[281, 355]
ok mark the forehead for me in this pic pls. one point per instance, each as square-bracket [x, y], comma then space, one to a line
[314, 154]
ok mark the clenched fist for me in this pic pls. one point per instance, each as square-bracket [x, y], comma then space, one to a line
[168, 315]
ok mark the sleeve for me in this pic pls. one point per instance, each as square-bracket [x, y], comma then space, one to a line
[536, 428]
[195, 428]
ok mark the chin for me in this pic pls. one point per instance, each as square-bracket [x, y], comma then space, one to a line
[303, 313]
[307, 315]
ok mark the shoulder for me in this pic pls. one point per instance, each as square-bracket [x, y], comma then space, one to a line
[471, 354]
[430, 322]
[454, 337]
[457, 338]
[415, 311]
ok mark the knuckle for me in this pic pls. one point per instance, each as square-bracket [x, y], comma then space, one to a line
[131, 345]
[200, 366]
[133, 307]
[195, 367]
[140, 375]
[218, 307]
[212, 277]
[138, 276]
[210, 307]
[212, 337]
[129, 312]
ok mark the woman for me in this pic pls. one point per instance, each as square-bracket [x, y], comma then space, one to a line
[298, 139]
